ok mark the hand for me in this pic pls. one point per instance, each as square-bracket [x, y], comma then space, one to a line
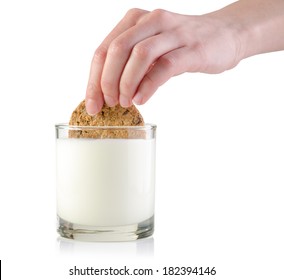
[147, 48]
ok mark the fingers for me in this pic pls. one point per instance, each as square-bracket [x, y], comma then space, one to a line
[94, 94]
[142, 52]
[143, 56]
[113, 55]
[148, 48]
[118, 55]
[128, 53]
[171, 64]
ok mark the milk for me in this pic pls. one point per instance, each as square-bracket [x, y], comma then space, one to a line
[105, 182]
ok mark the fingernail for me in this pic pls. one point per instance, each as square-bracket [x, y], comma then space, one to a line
[110, 101]
[138, 98]
[124, 101]
[91, 107]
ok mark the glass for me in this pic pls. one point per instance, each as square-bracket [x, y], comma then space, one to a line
[105, 181]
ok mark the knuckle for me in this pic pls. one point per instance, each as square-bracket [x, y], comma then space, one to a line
[160, 15]
[91, 89]
[134, 13]
[141, 51]
[100, 54]
[118, 46]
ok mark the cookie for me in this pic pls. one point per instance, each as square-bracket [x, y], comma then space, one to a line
[108, 116]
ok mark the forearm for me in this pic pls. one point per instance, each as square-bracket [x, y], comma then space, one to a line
[258, 23]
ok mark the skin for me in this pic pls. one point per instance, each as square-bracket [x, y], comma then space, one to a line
[146, 49]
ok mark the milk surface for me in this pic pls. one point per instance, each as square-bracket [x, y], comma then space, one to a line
[105, 182]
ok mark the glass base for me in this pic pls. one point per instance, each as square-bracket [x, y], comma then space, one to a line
[94, 233]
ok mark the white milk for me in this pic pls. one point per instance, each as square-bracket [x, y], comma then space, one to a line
[105, 182]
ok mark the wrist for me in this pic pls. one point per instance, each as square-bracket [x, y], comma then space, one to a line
[257, 25]
[237, 32]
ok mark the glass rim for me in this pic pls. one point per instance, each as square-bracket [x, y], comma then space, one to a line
[147, 126]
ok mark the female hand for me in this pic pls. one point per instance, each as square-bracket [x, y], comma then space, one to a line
[147, 48]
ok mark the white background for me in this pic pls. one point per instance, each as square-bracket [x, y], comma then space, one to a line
[220, 155]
